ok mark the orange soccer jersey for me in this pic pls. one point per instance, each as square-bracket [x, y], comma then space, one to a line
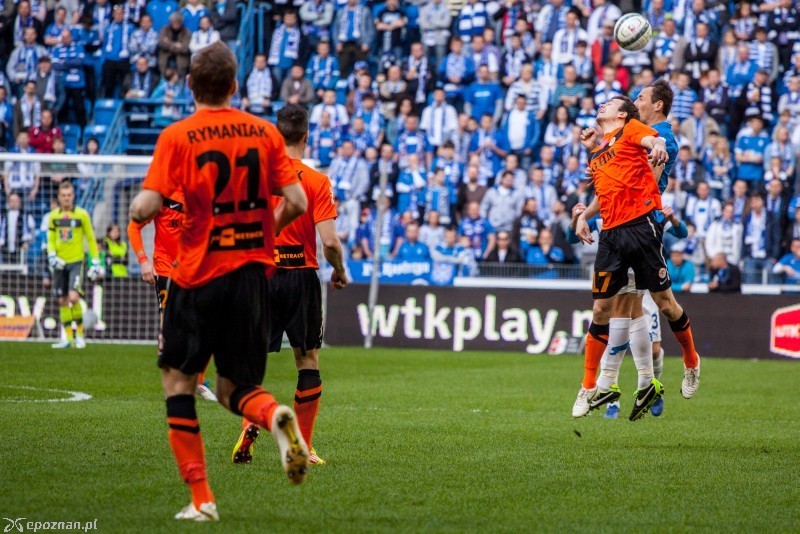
[625, 185]
[227, 163]
[296, 246]
[167, 225]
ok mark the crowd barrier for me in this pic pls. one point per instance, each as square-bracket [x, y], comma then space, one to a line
[533, 321]
[537, 321]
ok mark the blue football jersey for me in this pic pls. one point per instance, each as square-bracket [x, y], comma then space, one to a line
[665, 132]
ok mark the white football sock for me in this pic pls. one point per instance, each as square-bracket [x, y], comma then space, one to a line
[642, 351]
[658, 364]
[618, 342]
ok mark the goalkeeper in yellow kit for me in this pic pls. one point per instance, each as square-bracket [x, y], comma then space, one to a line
[69, 226]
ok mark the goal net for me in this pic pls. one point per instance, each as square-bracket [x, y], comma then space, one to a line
[121, 307]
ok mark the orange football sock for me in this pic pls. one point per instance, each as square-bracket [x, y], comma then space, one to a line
[255, 404]
[187, 446]
[306, 401]
[596, 342]
[682, 329]
[246, 423]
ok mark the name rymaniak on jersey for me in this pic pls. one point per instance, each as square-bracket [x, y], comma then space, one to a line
[224, 131]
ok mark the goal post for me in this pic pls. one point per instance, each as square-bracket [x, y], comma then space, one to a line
[120, 308]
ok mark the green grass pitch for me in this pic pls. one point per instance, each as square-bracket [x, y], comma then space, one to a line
[416, 441]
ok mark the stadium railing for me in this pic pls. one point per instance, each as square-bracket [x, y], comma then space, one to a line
[245, 40]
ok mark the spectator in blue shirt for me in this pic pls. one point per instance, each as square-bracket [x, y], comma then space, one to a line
[749, 152]
[159, 11]
[323, 140]
[68, 58]
[544, 253]
[353, 32]
[192, 12]
[24, 61]
[789, 265]
[116, 53]
[52, 36]
[456, 71]
[742, 72]
[484, 97]
[323, 69]
[144, 42]
[411, 141]
[684, 99]
[169, 90]
[412, 249]
[681, 272]
[286, 47]
[490, 145]
[6, 118]
[479, 231]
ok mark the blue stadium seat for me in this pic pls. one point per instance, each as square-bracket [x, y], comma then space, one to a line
[104, 110]
[72, 136]
[98, 130]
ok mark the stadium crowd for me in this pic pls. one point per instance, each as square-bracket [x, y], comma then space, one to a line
[471, 109]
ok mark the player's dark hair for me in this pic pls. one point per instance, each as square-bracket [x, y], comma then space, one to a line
[628, 107]
[662, 92]
[292, 123]
[213, 74]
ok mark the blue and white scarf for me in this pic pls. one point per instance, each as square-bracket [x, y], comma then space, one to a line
[285, 44]
[31, 59]
[113, 29]
[133, 12]
[456, 66]
[142, 83]
[350, 25]
[343, 175]
[514, 60]
[762, 54]
[31, 111]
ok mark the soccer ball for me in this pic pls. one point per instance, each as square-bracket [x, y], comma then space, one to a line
[632, 32]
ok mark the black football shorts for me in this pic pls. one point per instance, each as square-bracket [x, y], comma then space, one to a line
[295, 308]
[637, 245]
[228, 317]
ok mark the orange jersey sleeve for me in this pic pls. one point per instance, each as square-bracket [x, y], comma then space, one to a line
[635, 131]
[226, 163]
[625, 185]
[296, 246]
[135, 238]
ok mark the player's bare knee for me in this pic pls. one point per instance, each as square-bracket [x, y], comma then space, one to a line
[602, 310]
[176, 382]
[665, 300]
[309, 360]
[622, 305]
[224, 390]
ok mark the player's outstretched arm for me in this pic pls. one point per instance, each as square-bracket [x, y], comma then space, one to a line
[658, 149]
[294, 205]
[145, 205]
[332, 248]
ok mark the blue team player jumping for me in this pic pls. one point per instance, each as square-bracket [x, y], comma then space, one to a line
[634, 324]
